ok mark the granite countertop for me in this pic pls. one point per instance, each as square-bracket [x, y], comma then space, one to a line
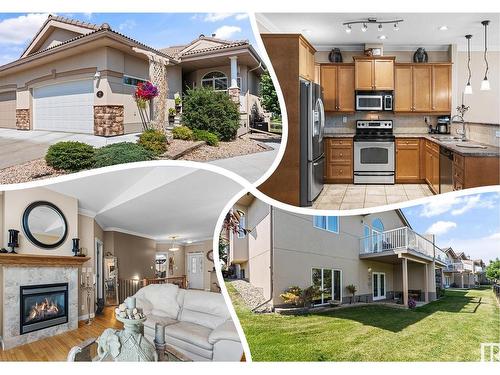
[489, 151]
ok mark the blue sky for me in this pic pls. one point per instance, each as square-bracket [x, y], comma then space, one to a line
[157, 30]
[469, 223]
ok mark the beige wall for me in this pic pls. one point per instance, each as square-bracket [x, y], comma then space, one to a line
[136, 255]
[15, 202]
[239, 246]
[484, 105]
[205, 247]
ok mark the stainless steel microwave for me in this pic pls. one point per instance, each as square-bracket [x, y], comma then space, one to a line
[374, 101]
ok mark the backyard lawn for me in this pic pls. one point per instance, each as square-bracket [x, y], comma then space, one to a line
[450, 329]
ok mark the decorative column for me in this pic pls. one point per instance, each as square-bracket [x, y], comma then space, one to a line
[426, 280]
[404, 276]
[234, 90]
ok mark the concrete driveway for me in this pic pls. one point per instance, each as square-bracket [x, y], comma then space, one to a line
[17, 146]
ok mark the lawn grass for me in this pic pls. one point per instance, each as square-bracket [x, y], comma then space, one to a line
[450, 329]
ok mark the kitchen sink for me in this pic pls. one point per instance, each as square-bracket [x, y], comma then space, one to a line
[449, 138]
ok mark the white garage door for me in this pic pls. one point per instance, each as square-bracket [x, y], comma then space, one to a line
[8, 110]
[65, 107]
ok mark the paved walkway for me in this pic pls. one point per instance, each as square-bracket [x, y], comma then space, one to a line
[17, 147]
[251, 166]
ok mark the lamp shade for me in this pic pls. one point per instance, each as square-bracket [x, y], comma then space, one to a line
[485, 85]
[468, 89]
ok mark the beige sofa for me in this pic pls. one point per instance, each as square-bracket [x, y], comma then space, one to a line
[197, 323]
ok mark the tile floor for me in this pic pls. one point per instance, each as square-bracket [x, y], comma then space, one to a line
[348, 197]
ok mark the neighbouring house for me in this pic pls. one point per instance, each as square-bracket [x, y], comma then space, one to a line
[461, 271]
[80, 77]
[379, 253]
[124, 227]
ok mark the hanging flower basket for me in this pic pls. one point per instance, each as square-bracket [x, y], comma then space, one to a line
[144, 93]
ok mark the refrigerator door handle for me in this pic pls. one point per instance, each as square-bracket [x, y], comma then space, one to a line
[322, 119]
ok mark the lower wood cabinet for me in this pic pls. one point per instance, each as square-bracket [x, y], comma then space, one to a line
[432, 165]
[408, 160]
[339, 160]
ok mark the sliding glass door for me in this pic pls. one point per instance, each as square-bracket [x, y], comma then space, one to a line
[329, 281]
[378, 285]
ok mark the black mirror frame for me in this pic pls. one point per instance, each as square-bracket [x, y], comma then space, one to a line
[28, 233]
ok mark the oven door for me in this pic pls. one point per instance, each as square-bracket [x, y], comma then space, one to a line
[373, 156]
[366, 102]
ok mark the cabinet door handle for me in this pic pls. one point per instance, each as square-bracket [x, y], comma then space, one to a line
[341, 154]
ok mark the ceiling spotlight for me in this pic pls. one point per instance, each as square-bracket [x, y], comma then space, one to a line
[380, 27]
[348, 29]
[382, 37]
[396, 27]
[364, 28]
[443, 28]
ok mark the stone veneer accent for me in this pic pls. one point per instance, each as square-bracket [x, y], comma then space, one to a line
[23, 119]
[234, 94]
[108, 120]
[16, 276]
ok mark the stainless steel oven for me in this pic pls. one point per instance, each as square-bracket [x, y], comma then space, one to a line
[374, 152]
[374, 101]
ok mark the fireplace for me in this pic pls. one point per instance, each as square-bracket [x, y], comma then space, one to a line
[43, 306]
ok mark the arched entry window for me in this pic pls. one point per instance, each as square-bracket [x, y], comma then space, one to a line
[215, 80]
[377, 225]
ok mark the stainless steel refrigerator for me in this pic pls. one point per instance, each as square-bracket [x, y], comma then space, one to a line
[312, 155]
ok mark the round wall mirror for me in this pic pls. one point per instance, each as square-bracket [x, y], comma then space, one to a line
[45, 225]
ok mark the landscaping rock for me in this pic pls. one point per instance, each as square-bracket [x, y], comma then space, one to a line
[30, 171]
[251, 295]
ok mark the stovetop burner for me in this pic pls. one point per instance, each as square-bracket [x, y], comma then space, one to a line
[374, 130]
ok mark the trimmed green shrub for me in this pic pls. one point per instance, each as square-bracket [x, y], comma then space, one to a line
[203, 135]
[154, 141]
[70, 156]
[213, 111]
[119, 153]
[182, 132]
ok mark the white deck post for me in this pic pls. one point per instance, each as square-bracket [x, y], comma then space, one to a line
[234, 72]
[405, 281]
[426, 278]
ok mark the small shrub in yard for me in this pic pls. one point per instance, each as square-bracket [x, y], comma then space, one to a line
[154, 141]
[182, 132]
[70, 156]
[213, 111]
[119, 153]
[203, 135]
[412, 303]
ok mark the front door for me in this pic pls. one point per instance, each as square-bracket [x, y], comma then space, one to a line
[195, 270]
[378, 284]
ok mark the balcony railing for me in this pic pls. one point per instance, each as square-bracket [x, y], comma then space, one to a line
[400, 239]
[454, 267]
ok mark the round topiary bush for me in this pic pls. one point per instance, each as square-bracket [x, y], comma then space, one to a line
[182, 132]
[154, 141]
[213, 111]
[119, 153]
[70, 156]
[203, 135]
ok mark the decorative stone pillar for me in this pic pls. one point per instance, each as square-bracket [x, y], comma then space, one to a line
[108, 120]
[23, 119]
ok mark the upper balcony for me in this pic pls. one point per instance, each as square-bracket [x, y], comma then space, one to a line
[400, 240]
[454, 267]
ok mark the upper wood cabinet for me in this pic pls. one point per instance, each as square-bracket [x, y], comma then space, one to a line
[306, 59]
[337, 81]
[424, 88]
[374, 73]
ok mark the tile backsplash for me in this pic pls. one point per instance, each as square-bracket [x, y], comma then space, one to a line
[483, 133]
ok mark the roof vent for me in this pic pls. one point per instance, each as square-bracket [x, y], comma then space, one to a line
[105, 26]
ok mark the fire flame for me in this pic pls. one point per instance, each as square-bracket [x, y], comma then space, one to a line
[43, 310]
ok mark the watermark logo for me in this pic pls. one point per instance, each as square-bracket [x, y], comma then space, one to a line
[490, 352]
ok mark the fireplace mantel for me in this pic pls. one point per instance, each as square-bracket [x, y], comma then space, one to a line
[41, 260]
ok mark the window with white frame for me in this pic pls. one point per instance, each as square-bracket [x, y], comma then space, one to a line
[217, 81]
[132, 81]
[329, 282]
[328, 223]
[241, 227]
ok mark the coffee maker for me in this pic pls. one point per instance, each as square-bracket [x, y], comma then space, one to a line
[443, 125]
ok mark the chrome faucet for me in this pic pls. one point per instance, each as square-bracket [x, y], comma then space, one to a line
[463, 126]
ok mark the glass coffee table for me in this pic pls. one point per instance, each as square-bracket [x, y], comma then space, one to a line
[173, 355]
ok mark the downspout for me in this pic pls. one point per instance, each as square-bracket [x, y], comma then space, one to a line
[271, 262]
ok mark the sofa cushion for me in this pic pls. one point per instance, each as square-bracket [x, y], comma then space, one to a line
[194, 334]
[163, 299]
[151, 321]
[194, 352]
[203, 308]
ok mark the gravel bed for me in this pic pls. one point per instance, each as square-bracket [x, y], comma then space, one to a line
[178, 146]
[251, 295]
[30, 171]
[241, 146]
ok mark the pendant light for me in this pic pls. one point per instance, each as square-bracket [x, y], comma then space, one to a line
[173, 247]
[485, 84]
[468, 87]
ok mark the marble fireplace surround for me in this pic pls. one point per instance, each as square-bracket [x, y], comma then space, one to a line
[34, 270]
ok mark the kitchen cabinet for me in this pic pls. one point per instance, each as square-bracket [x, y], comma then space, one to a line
[374, 73]
[337, 81]
[474, 171]
[306, 59]
[432, 165]
[423, 88]
[408, 160]
[339, 160]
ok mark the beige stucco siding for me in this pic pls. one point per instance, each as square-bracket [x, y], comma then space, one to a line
[239, 246]
[57, 36]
